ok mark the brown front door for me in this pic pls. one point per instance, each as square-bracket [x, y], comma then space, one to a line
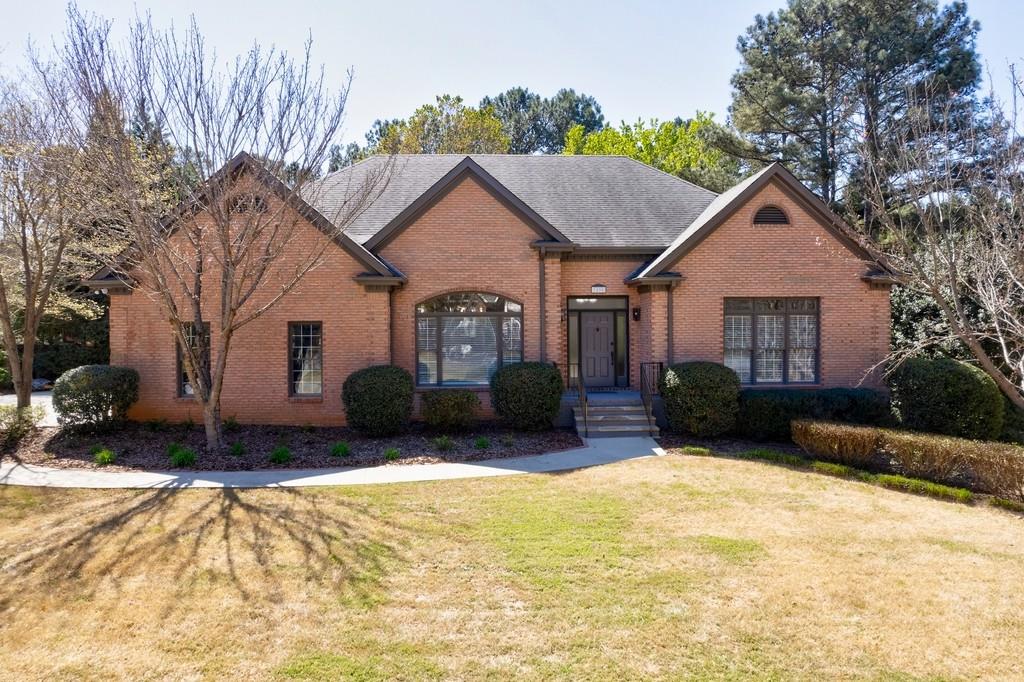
[597, 348]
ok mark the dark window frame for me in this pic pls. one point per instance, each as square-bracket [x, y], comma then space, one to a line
[438, 316]
[786, 347]
[292, 393]
[182, 378]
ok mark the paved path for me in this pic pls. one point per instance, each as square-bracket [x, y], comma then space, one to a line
[44, 398]
[595, 451]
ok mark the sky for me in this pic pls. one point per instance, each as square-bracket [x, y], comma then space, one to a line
[639, 59]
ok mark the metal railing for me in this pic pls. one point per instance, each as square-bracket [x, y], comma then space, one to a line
[576, 381]
[650, 373]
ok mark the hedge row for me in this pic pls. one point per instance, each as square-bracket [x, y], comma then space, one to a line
[765, 414]
[989, 467]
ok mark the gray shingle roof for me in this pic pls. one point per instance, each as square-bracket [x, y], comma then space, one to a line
[595, 201]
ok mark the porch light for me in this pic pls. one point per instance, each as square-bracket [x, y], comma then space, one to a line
[636, 314]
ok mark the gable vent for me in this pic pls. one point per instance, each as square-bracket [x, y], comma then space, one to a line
[770, 215]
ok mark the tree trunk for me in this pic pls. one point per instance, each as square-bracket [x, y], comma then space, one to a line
[23, 389]
[23, 384]
[212, 423]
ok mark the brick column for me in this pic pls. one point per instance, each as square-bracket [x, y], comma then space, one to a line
[554, 327]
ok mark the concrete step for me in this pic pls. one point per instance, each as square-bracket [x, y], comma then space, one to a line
[616, 409]
[620, 417]
[611, 430]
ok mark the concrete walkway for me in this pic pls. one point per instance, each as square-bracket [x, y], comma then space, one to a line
[42, 398]
[595, 451]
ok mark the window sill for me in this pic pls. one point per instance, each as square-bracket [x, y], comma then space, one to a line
[305, 398]
[783, 386]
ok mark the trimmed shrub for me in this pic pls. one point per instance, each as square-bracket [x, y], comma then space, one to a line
[1013, 423]
[17, 423]
[942, 395]
[766, 414]
[378, 400]
[95, 397]
[527, 394]
[989, 467]
[855, 446]
[701, 398]
[450, 409]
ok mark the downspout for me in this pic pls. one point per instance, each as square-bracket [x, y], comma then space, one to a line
[543, 349]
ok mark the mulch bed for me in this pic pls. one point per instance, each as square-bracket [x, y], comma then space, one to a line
[142, 447]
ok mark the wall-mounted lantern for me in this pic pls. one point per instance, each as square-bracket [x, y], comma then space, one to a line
[636, 314]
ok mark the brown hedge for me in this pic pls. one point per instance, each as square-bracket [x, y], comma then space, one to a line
[990, 467]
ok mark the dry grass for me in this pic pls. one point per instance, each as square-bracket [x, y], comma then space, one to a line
[659, 568]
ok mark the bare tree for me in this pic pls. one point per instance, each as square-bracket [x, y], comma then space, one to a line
[42, 236]
[958, 234]
[215, 200]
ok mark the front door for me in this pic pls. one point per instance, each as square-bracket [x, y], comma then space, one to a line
[597, 347]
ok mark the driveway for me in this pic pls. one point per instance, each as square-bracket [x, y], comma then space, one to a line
[44, 398]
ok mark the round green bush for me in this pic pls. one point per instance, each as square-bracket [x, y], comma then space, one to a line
[527, 394]
[95, 397]
[942, 395]
[378, 400]
[701, 398]
[449, 410]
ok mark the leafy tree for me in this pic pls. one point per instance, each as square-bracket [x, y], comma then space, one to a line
[446, 127]
[564, 111]
[820, 77]
[681, 148]
[339, 157]
[534, 124]
[522, 116]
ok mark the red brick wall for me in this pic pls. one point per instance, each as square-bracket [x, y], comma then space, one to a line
[355, 335]
[579, 273]
[800, 259]
[467, 241]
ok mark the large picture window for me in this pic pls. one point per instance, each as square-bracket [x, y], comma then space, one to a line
[462, 339]
[772, 340]
[306, 359]
[185, 389]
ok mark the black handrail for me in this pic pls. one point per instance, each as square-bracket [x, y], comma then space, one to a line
[576, 379]
[650, 373]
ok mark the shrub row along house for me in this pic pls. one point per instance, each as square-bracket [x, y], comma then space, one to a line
[601, 265]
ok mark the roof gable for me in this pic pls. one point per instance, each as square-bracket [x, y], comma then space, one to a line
[376, 267]
[596, 202]
[727, 203]
[465, 168]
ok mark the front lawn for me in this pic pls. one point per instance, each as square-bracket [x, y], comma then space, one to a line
[659, 568]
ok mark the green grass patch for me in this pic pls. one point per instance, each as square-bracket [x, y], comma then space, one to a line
[391, 454]
[482, 443]
[181, 457]
[695, 450]
[280, 455]
[1009, 505]
[394, 661]
[732, 550]
[340, 449]
[773, 456]
[237, 449]
[833, 469]
[443, 443]
[919, 487]
[104, 456]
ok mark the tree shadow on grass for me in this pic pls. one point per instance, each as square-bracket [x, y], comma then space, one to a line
[250, 545]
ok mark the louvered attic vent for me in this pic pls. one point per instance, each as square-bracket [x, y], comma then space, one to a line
[770, 215]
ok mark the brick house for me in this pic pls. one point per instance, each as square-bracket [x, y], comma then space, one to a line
[601, 265]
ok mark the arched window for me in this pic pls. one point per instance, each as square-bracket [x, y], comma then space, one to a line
[771, 215]
[463, 338]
